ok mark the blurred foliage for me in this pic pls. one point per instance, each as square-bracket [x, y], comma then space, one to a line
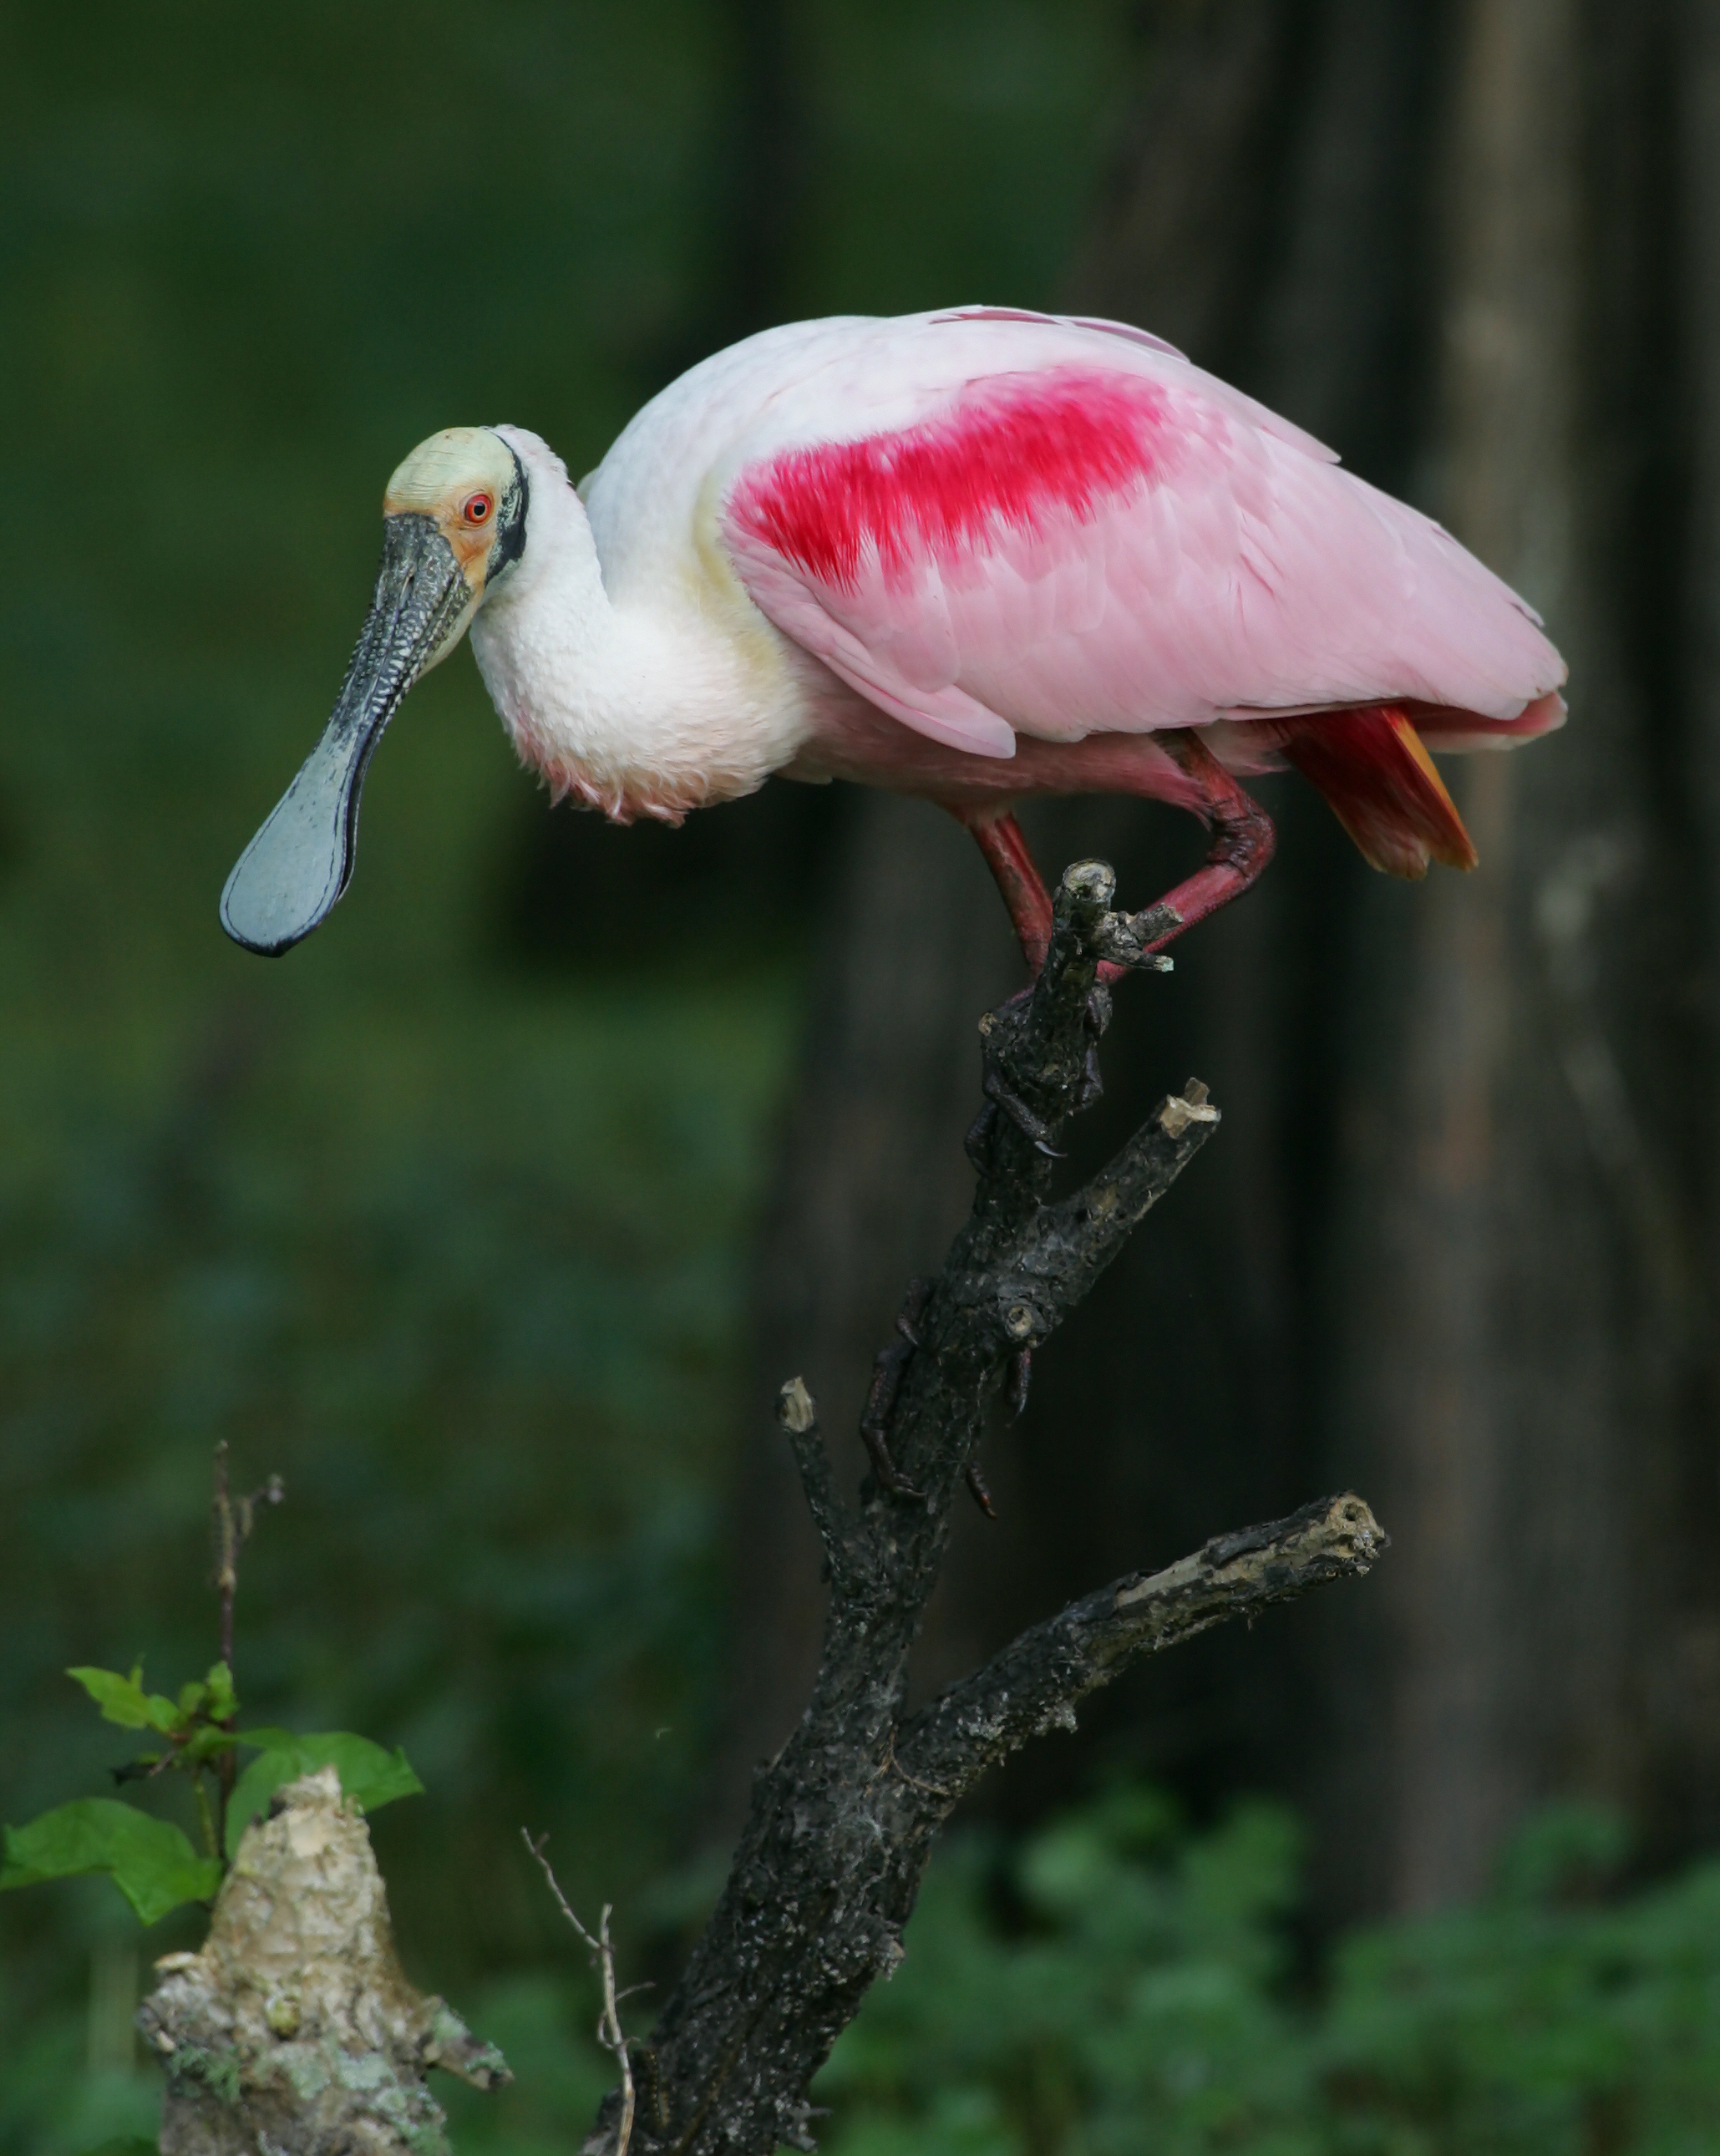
[1109, 1985]
[500, 1393]
[453, 1238]
[1118, 1985]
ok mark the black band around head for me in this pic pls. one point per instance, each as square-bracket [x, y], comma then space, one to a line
[510, 541]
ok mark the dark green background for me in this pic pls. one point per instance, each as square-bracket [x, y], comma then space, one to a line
[446, 1216]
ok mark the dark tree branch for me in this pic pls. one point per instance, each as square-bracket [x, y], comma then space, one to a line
[1032, 1686]
[842, 1821]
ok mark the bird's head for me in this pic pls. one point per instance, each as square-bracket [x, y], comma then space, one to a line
[453, 522]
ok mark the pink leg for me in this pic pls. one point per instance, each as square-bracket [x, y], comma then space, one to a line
[1242, 835]
[1242, 844]
[1001, 840]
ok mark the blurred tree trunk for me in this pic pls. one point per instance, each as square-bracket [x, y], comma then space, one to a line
[1511, 1301]
[1689, 1691]
[1445, 236]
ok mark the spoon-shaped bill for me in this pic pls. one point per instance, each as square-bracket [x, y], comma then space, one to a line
[299, 862]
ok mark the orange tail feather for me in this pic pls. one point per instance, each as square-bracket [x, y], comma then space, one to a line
[1380, 781]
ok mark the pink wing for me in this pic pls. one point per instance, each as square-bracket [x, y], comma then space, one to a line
[1114, 542]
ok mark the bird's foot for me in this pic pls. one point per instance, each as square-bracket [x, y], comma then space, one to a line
[1031, 1126]
[888, 1365]
[979, 1132]
[1015, 1391]
[1096, 1018]
[1020, 1378]
[1122, 943]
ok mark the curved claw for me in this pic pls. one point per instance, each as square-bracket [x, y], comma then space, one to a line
[888, 1365]
[1030, 1125]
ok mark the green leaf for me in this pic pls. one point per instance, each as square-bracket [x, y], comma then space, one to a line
[205, 1744]
[369, 1775]
[191, 1698]
[223, 1702]
[153, 1864]
[123, 1700]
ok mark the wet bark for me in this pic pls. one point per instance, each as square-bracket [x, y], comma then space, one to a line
[840, 1824]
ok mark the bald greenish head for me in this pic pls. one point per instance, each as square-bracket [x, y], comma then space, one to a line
[453, 521]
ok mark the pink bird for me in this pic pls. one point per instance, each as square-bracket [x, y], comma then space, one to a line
[977, 555]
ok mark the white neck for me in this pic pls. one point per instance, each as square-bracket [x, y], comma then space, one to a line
[651, 706]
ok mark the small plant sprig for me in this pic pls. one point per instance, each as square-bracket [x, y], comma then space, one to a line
[154, 1865]
[197, 1725]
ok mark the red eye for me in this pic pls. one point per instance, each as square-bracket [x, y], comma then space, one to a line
[476, 508]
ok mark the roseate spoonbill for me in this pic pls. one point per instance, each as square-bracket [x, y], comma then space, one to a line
[977, 555]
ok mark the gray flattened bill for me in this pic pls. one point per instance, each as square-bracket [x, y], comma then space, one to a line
[293, 871]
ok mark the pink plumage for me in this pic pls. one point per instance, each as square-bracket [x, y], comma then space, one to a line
[976, 555]
[1043, 559]
[1111, 541]
[1011, 455]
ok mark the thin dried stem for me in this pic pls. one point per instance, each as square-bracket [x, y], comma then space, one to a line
[603, 1952]
[231, 1520]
